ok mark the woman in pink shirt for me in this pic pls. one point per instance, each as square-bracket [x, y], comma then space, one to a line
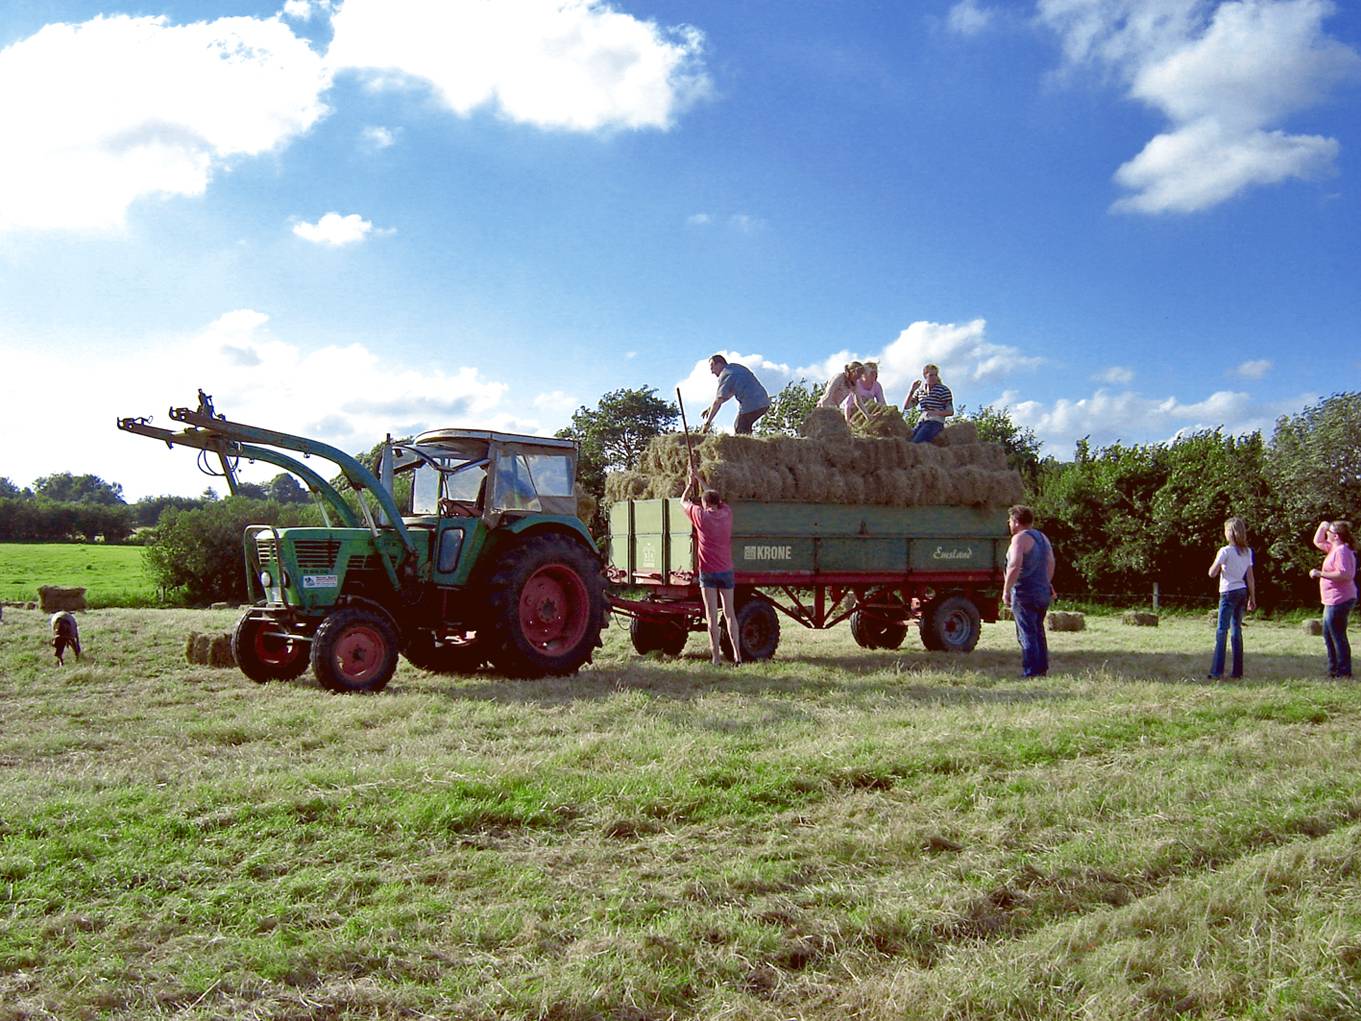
[1337, 586]
[712, 519]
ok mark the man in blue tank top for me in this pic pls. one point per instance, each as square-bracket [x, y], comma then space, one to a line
[1028, 588]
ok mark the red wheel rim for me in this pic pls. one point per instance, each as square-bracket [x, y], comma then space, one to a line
[554, 608]
[272, 649]
[359, 654]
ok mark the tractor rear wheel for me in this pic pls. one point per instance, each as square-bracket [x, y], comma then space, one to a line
[951, 624]
[758, 628]
[650, 634]
[262, 654]
[354, 650]
[546, 607]
[447, 657]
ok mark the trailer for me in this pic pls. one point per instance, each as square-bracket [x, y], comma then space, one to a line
[818, 564]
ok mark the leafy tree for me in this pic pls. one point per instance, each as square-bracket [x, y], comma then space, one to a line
[67, 488]
[148, 510]
[285, 488]
[198, 552]
[10, 491]
[251, 491]
[995, 425]
[1313, 466]
[788, 409]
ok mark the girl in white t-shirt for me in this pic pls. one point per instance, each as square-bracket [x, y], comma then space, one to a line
[1237, 591]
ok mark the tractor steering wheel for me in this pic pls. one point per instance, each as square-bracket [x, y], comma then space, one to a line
[456, 509]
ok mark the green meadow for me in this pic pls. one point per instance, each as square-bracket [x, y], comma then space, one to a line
[111, 575]
[832, 834]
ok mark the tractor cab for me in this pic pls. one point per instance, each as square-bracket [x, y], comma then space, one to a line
[488, 475]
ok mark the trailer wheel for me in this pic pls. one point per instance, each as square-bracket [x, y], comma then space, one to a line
[450, 657]
[758, 627]
[262, 655]
[354, 650]
[649, 634]
[951, 624]
[872, 631]
[547, 606]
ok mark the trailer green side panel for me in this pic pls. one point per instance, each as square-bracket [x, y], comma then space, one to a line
[651, 538]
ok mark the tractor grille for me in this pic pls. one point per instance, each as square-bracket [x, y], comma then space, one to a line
[316, 555]
[265, 551]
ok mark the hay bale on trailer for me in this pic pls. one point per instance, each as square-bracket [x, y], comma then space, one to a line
[823, 422]
[55, 598]
[956, 434]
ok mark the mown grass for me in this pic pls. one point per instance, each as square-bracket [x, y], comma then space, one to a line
[111, 575]
[835, 833]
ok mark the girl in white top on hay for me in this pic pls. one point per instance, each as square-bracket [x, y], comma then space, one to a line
[1237, 591]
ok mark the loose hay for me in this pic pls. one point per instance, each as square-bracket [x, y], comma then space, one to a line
[1138, 618]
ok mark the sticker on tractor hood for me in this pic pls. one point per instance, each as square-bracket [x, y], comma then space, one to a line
[320, 581]
[953, 554]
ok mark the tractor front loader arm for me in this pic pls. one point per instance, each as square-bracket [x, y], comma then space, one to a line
[204, 440]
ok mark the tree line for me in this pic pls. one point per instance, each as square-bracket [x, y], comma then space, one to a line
[1121, 516]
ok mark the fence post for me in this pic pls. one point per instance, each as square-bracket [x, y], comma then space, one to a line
[1155, 597]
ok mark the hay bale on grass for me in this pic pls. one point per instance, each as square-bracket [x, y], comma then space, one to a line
[1066, 620]
[201, 646]
[190, 645]
[824, 422]
[1139, 618]
[220, 651]
[1312, 627]
[55, 598]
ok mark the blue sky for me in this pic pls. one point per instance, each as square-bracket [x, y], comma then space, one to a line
[1118, 218]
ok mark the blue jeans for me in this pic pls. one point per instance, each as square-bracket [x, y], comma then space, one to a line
[1231, 607]
[927, 430]
[1029, 614]
[1335, 638]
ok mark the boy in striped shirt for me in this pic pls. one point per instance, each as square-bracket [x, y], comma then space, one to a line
[936, 401]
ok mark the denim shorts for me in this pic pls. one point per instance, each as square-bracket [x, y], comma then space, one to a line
[717, 579]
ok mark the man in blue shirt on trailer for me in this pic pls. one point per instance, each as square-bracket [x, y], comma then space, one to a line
[737, 381]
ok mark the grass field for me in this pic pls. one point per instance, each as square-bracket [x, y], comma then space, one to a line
[111, 575]
[832, 834]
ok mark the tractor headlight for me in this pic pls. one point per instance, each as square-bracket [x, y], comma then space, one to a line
[266, 579]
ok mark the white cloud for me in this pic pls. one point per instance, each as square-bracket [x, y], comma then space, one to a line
[119, 109]
[1226, 75]
[335, 230]
[967, 18]
[1129, 417]
[745, 223]
[564, 64]
[1118, 374]
[699, 219]
[377, 137]
[255, 376]
[302, 10]
[1255, 369]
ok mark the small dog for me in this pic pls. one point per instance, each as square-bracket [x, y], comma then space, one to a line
[65, 634]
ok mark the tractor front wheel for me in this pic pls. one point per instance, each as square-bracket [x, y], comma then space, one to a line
[547, 607]
[354, 650]
[265, 654]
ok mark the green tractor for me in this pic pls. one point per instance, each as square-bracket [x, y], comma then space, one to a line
[490, 564]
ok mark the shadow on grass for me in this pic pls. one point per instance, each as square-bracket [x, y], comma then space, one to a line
[989, 676]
